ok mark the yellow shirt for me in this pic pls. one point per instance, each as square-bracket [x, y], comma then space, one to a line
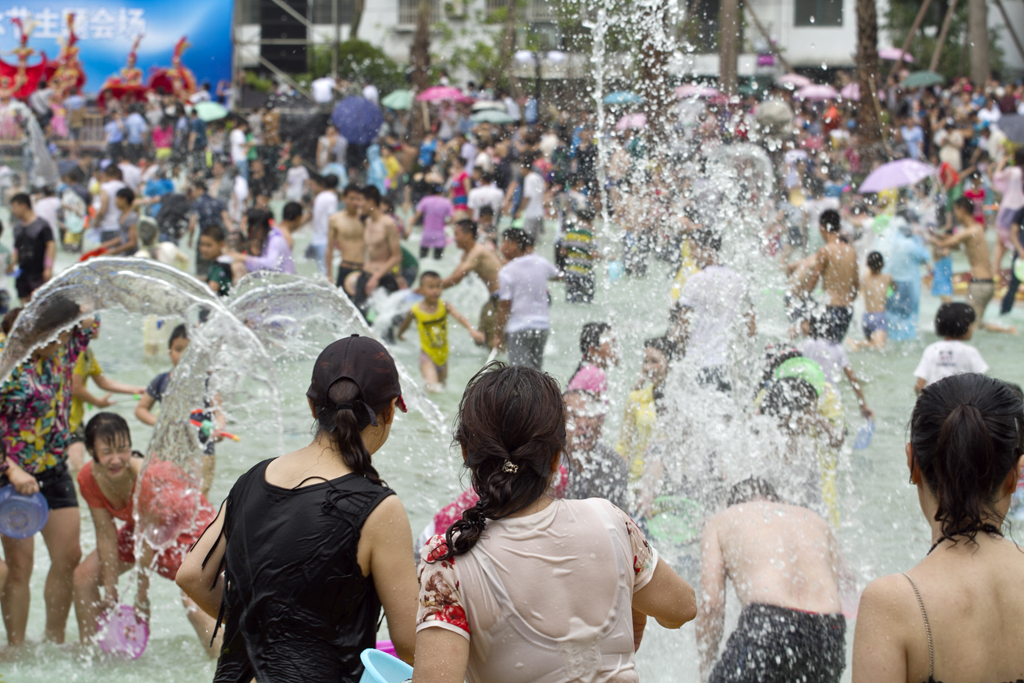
[433, 332]
[687, 267]
[87, 366]
[393, 167]
[638, 429]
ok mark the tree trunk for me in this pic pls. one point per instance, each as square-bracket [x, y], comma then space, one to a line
[419, 60]
[508, 46]
[869, 124]
[357, 18]
[653, 26]
[728, 46]
[977, 22]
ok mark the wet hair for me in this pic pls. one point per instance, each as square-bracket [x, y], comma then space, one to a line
[10, 318]
[371, 193]
[830, 221]
[317, 179]
[787, 397]
[199, 186]
[346, 428]
[126, 194]
[590, 336]
[964, 204]
[954, 319]
[510, 418]
[965, 432]
[113, 171]
[110, 427]
[350, 188]
[179, 332]
[775, 356]
[752, 489]
[330, 181]
[214, 232]
[519, 236]
[487, 211]
[468, 225]
[663, 344]
[707, 238]
[1018, 157]
[57, 311]
[23, 199]
[586, 214]
[428, 274]
[259, 226]
[292, 211]
[876, 262]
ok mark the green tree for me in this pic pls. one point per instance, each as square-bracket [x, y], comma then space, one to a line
[359, 60]
[955, 58]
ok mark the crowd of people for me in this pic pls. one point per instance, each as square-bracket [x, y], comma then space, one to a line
[512, 560]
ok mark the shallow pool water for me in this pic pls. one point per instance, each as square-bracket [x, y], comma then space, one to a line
[882, 528]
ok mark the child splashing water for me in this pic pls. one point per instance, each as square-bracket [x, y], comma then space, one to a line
[520, 562]
[108, 485]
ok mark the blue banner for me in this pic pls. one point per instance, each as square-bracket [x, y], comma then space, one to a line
[106, 30]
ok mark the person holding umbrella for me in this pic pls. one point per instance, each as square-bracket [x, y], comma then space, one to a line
[358, 120]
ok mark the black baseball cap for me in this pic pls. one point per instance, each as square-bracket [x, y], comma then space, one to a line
[362, 360]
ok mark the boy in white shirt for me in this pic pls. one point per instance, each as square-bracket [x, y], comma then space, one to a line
[955, 322]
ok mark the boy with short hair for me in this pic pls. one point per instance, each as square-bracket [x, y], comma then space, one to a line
[874, 287]
[954, 322]
[296, 179]
[211, 248]
[486, 228]
[155, 393]
[431, 316]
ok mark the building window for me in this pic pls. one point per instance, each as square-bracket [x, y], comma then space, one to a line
[322, 9]
[818, 13]
[408, 9]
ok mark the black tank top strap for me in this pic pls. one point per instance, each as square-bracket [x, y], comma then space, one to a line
[927, 630]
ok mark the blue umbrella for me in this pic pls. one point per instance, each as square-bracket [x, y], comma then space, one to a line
[358, 120]
[622, 97]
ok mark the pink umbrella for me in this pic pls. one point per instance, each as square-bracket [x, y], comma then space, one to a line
[692, 90]
[631, 121]
[817, 92]
[897, 173]
[893, 55]
[795, 80]
[851, 92]
[438, 93]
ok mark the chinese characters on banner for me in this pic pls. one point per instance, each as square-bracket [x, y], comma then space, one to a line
[91, 23]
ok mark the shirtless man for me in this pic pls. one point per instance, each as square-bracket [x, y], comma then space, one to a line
[786, 569]
[383, 253]
[982, 287]
[835, 264]
[875, 289]
[476, 258]
[345, 231]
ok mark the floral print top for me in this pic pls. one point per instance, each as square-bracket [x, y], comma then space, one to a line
[35, 407]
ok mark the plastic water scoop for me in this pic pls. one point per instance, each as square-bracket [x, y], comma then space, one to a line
[864, 434]
[22, 516]
[380, 667]
[122, 633]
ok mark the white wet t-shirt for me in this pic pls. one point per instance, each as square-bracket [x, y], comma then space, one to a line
[717, 297]
[543, 598]
[947, 358]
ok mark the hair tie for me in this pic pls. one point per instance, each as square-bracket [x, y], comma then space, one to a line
[364, 414]
[510, 467]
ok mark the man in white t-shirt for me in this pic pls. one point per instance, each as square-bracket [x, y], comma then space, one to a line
[295, 179]
[325, 203]
[488, 194]
[322, 90]
[952, 356]
[524, 310]
[714, 303]
[131, 175]
[240, 148]
[46, 207]
[108, 216]
[531, 207]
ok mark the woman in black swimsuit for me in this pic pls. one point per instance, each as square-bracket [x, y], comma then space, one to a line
[958, 616]
[308, 547]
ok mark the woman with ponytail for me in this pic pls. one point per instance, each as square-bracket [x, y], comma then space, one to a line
[959, 614]
[308, 547]
[524, 587]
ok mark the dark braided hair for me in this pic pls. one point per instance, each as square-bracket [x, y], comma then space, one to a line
[345, 426]
[966, 437]
[509, 414]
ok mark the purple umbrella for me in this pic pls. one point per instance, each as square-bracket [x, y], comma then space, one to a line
[817, 92]
[851, 92]
[894, 174]
[358, 120]
[893, 55]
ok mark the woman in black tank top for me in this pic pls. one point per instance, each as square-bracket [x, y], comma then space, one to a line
[308, 547]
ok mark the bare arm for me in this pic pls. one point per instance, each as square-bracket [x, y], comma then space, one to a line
[504, 310]
[464, 268]
[106, 550]
[51, 254]
[104, 207]
[477, 336]
[405, 325]
[107, 384]
[443, 656]
[204, 584]
[919, 385]
[143, 411]
[711, 616]
[329, 254]
[79, 390]
[394, 572]
[192, 228]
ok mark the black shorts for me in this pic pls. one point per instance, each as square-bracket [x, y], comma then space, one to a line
[773, 644]
[438, 252]
[57, 487]
[835, 322]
